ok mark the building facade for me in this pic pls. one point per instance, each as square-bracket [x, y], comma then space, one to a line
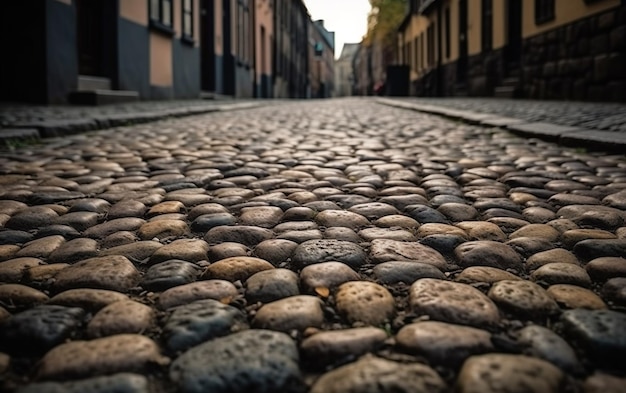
[263, 41]
[321, 60]
[344, 72]
[123, 49]
[560, 49]
[105, 51]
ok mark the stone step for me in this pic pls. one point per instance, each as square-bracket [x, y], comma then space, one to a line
[89, 83]
[102, 97]
[209, 95]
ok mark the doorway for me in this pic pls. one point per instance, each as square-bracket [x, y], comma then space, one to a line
[96, 36]
[207, 48]
[513, 48]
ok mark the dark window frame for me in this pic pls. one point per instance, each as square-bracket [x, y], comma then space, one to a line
[544, 11]
[157, 16]
[187, 31]
[448, 32]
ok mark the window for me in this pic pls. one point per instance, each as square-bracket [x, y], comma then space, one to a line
[161, 15]
[187, 20]
[544, 11]
[487, 24]
[243, 32]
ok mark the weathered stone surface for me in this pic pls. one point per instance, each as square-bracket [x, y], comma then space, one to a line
[488, 253]
[486, 274]
[325, 250]
[236, 268]
[543, 231]
[75, 250]
[549, 346]
[161, 229]
[113, 272]
[118, 383]
[328, 347]
[169, 274]
[404, 271]
[42, 247]
[126, 316]
[19, 295]
[602, 217]
[292, 313]
[8, 251]
[199, 321]
[599, 332]
[592, 249]
[562, 273]
[262, 216]
[119, 353]
[247, 235]
[253, 360]
[119, 224]
[365, 302]
[13, 270]
[275, 251]
[190, 250]
[452, 302]
[600, 382]
[374, 210]
[135, 251]
[341, 218]
[556, 255]
[40, 328]
[270, 285]
[383, 250]
[614, 290]
[375, 375]
[326, 275]
[606, 268]
[41, 276]
[32, 218]
[221, 290]
[572, 296]
[524, 298]
[503, 373]
[369, 234]
[443, 343]
[481, 230]
[127, 208]
[88, 299]
[227, 250]
[573, 236]
[396, 220]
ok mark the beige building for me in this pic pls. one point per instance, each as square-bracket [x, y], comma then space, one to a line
[567, 49]
[264, 36]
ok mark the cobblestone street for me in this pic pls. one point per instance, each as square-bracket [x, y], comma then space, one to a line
[321, 246]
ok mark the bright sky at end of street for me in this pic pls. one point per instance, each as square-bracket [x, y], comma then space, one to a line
[347, 18]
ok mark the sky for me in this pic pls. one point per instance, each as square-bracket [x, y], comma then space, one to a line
[347, 18]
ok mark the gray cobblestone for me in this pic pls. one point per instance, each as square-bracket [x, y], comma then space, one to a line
[393, 249]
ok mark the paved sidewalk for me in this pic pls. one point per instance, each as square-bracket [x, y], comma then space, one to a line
[594, 125]
[31, 122]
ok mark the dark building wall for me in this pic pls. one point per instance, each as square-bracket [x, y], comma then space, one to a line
[23, 68]
[186, 70]
[61, 54]
[133, 57]
[585, 60]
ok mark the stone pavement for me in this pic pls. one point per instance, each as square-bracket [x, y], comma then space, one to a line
[321, 246]
[29, 123]
[583, 124]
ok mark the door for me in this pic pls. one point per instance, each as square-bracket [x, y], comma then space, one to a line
[513, 49]
[207, 48]
[461, 69]
[90, 36]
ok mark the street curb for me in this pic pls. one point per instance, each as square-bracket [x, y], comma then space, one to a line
[32, 131]
[564, 135]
